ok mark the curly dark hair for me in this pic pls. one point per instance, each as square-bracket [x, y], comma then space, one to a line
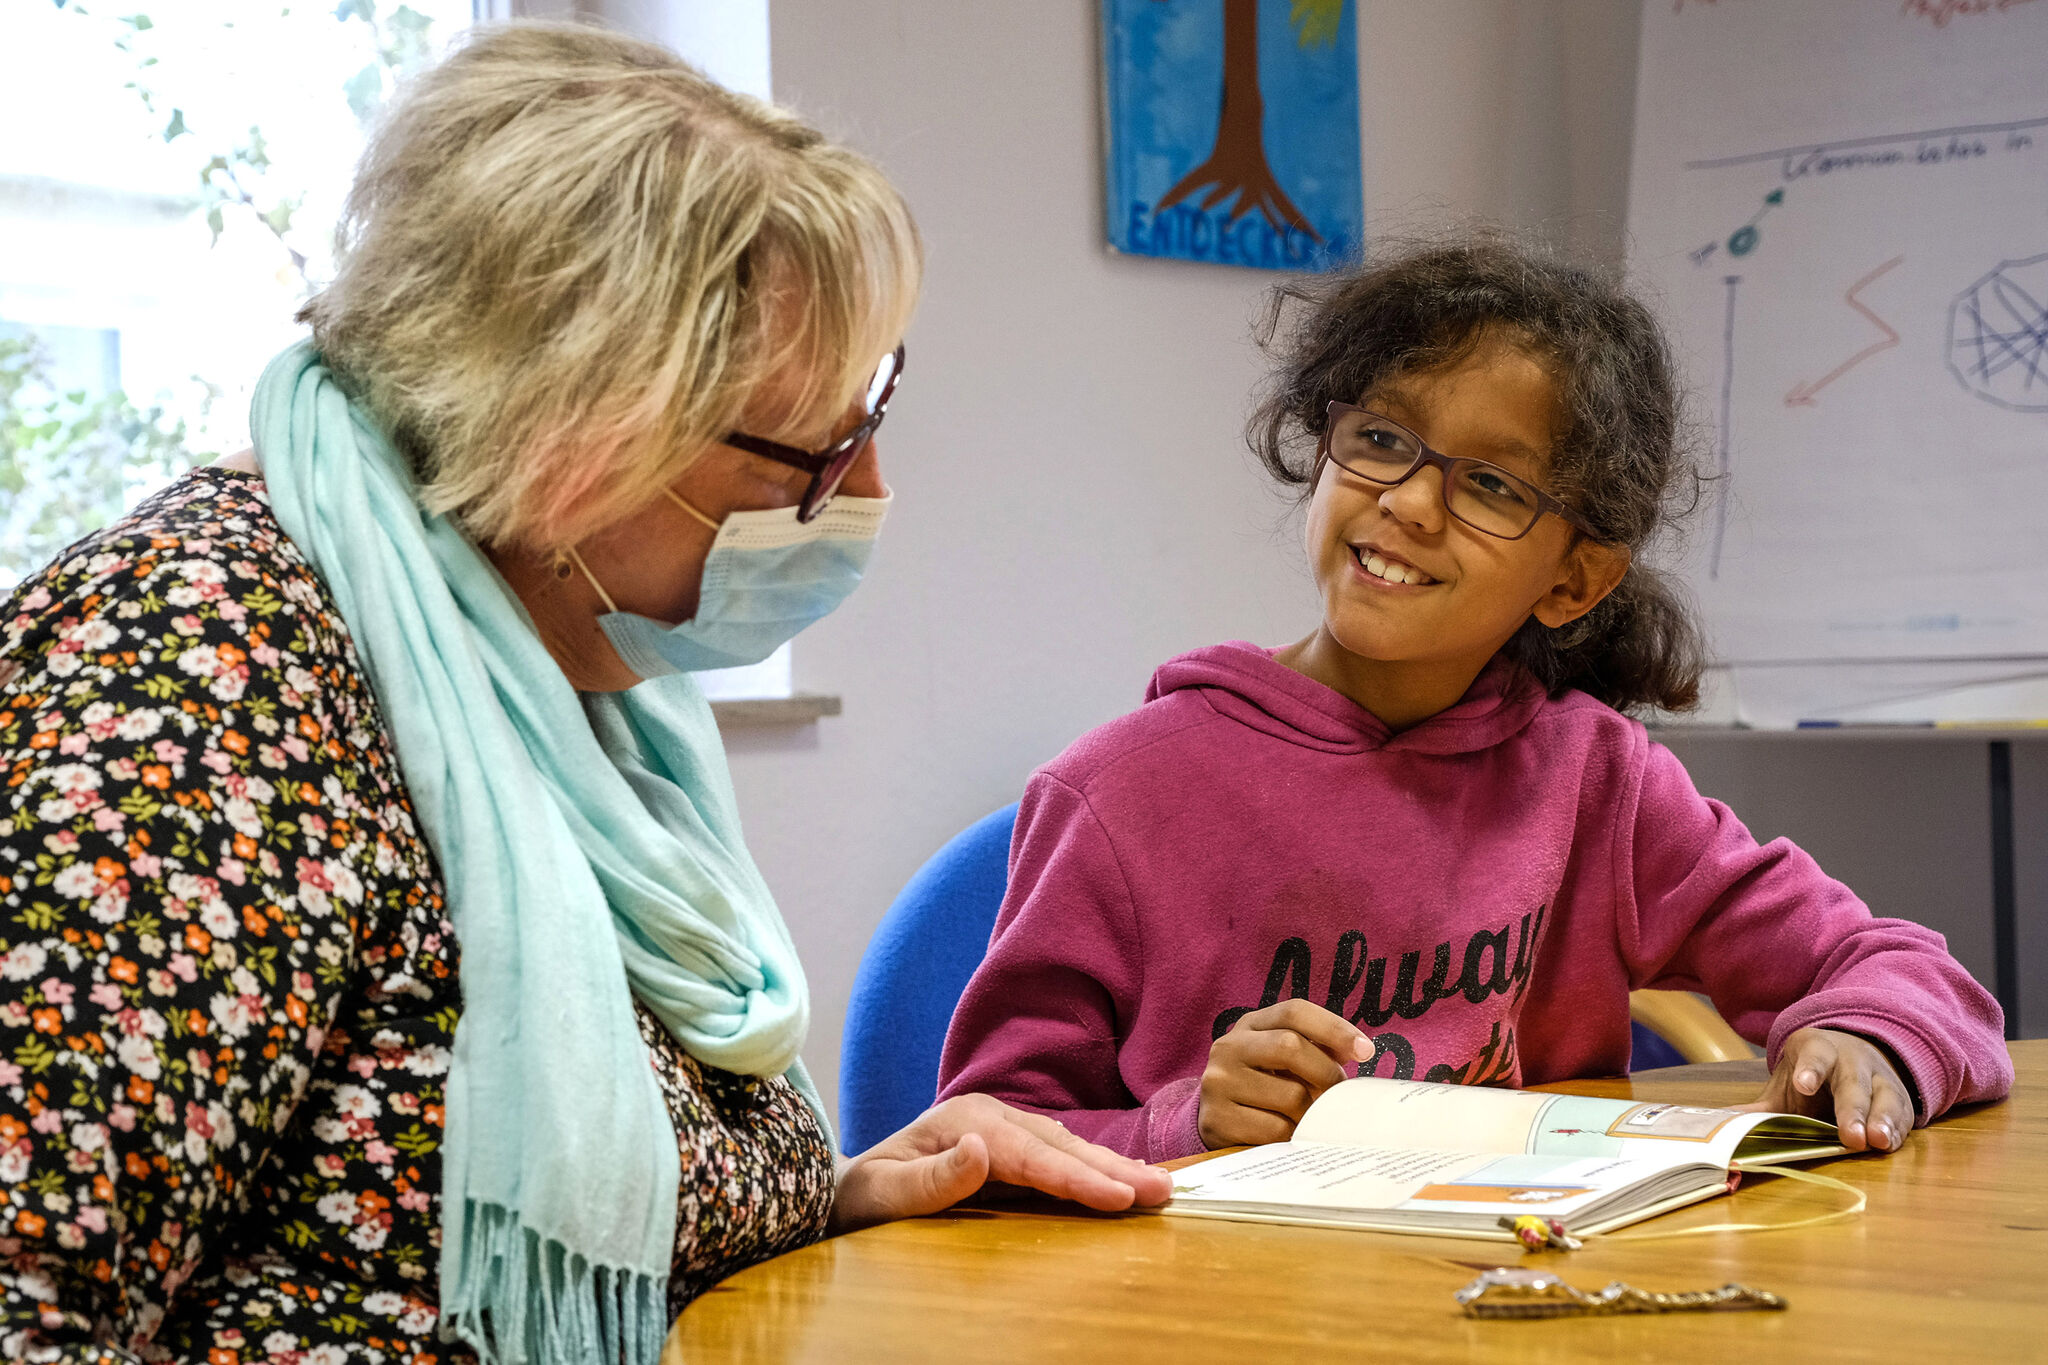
[1621, 456]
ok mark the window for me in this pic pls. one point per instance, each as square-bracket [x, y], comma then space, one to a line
[168, 191]
[168, 188]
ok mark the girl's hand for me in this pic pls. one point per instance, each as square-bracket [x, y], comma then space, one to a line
[1830, 1074]
[1263, 1074]
[954, 1148]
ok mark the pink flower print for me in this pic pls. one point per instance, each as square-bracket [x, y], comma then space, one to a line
[74, 744]
[415, 1199]
[168, 752]
[265, 655]
[145, 865]
[232, 611]
[363, 1065]
[184, 967]
[379, 1153]
[58, 992]
[232, 871]
[312, 823]
[217, 760]
[106, 995]
[92, 1218]
[107, 818]
[51, 1120]
[296, 747]
[197, 1120]
[10, 1074]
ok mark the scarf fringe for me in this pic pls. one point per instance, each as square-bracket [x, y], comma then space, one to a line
[576, 1311]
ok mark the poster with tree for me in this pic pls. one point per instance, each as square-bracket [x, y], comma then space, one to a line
[1232, 131]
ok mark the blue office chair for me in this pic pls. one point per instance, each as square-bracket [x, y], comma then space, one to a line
[917, 965]
[911, 977]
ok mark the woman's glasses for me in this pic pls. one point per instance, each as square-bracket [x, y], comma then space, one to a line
[829, 467]
[1483, 496]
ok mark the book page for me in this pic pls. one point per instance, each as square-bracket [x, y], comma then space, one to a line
[1370, 1112]
[1422, 1184]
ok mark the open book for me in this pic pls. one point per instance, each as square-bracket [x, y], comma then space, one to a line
[1410, 1156]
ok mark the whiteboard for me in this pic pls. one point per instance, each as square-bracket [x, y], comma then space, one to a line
[1840, 207]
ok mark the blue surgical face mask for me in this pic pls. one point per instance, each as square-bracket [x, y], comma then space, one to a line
[767, 577]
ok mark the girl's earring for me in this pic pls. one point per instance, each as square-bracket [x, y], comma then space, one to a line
[561, 566]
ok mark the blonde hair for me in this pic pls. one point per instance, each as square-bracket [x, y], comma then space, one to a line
[568, 262]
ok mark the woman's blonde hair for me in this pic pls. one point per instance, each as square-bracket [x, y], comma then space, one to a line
[569, 261]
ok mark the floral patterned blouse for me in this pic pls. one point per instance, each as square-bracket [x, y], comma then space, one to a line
[228, 983]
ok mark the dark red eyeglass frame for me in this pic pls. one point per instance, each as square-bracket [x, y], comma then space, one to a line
[1448, 466]
[829, 467]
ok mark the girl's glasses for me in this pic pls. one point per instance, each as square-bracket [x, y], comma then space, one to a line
[829, 467]
[1483, 496]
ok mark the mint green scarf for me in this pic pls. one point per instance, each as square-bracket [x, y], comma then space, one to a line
[592, 855]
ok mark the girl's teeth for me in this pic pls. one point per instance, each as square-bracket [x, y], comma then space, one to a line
[1393, 573]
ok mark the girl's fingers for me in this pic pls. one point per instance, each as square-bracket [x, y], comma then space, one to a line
[1891, 1112]
[1287, 1053]
[1851, 1087]
[1335, 1036]
[1813, 1059]
[1283, 1095]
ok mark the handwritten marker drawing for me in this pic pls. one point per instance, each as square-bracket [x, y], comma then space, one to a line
[1801, 394]
[1998, 336]
[1233, 131]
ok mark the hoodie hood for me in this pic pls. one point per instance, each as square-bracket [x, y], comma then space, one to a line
[1247, 684]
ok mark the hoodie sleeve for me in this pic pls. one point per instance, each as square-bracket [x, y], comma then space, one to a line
[1780, 946]
[1040, 1022]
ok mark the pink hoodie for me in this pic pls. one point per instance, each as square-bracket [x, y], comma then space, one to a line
[1479, 893]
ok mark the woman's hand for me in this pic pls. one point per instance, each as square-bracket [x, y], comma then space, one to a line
[1830, 1074]
[954, 1148]
[1263, 1074]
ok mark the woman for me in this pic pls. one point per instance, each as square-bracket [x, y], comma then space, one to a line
[601, 357]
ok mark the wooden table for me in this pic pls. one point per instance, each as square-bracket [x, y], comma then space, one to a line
[1950, 1262]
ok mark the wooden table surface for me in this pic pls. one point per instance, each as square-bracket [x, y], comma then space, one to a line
[1949, 1262]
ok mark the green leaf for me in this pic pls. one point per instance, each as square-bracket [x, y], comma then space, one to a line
[176, 127]
[40, 917]
[141, 23]
[299, 1233]
[215, 224]
[140, 805]
[414, 1141]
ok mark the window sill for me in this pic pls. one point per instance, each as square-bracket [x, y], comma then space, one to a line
[805, 708]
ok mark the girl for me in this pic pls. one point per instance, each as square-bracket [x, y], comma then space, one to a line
[1425, 840]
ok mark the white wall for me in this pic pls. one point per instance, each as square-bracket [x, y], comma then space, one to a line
[1075, 504]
